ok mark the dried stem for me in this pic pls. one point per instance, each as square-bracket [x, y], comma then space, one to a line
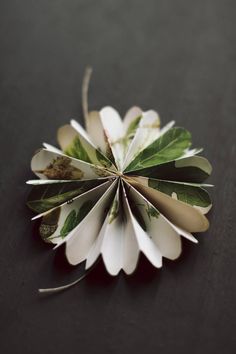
[67, 286]
[85, 87]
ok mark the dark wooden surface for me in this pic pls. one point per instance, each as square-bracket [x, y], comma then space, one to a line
[178, 57]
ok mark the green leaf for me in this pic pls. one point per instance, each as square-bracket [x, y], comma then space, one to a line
[152, 212]
[76, 150]
[133, 127]
[167, 147]
[138, 214]
[74, 219]
[192, 195]
[45, 197]
[84, 210]
[114, 211]
[43, 205]
[196, 169]
[69, 224]
[104, 161]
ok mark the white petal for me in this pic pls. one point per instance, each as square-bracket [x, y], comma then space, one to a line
[147, 132]
[145, 244]
[82, 170]
[94, 193]
[112, 246]
[158, 228]
[131, 114]
[96, 131]
[81, 131]
[82, 238]
[114, 130]
[52, 148]
[110, 239]
[77, 209]
[68, 137]
[95, 250]
[179, 213]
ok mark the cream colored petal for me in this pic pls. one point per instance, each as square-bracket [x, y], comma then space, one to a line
[179, 213]
[147, 132]
[95, 250]
[81, 239]
[158, 228]
[42, 164]
[110, 240]
[145, 243]
[52, 148]
[96, 131]
[131, 115]
[58, 222]
[114, 130]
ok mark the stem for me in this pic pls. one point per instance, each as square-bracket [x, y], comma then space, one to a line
[85, 87]
[67, 286]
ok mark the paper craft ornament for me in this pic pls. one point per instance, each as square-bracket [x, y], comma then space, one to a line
[118, 188]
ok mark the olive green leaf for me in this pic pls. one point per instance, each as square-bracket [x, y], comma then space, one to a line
[114, 211]
[103, 159]
[73, 219]
[133, 127]
[130, 132]
[152, 212]
[76, 150]
[84, 210]
[198, 170]
[69, 224]
[167, 147]
[138, 214]
[189, 194]
[45, 197]
[43, 205]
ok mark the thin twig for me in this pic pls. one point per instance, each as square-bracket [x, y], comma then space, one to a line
[64, 287]
[85, 87]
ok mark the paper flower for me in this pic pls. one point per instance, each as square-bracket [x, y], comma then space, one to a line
[119, 188]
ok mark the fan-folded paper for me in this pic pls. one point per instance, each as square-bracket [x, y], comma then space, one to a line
[120, 188]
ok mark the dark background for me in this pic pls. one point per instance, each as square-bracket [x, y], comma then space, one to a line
[178, 57]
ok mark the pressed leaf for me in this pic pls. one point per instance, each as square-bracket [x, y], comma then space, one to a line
[179, 213]
[132, 128]
[194, 169]
[84, 210]
[46, 197]
[152, 212]
[114, 211]
[135, 208]
[75, 142]
[69, 224]
[76, 150]
[73, 218]
[167, 147]
[147, 132]
[102, 159]
[188, 194]
[61, 168]
[54, 166]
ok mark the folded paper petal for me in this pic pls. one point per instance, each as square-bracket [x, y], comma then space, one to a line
[120, 188]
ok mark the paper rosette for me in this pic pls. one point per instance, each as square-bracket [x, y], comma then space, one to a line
[120, 187]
